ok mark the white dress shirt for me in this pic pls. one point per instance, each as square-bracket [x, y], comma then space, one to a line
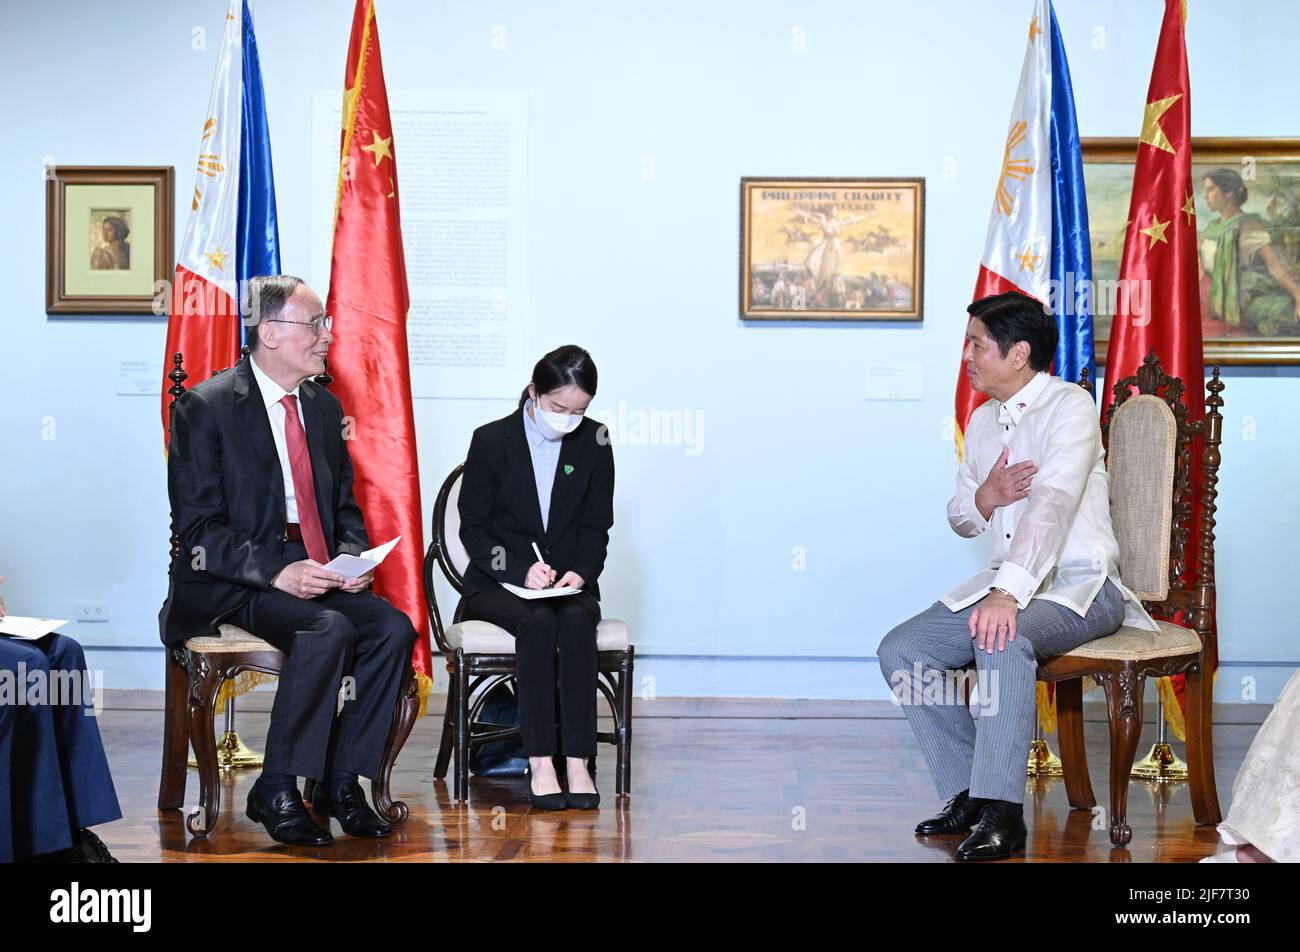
[1057, 543]
[272, 394]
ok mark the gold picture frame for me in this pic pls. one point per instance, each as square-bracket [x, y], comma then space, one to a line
[1256, 330]
[832, 249]
[108, 238]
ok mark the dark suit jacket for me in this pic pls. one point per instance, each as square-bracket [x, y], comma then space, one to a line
[227, 496]
[499, 508]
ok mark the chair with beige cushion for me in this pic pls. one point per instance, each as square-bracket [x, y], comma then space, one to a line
[480, 655]
[1149, 458]
[196, 671]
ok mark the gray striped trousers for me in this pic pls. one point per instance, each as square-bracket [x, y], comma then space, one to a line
[923, 661]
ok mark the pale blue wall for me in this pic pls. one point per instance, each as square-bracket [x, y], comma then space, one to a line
[793, 455]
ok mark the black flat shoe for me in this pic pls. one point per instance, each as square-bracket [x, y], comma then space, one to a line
[546, 801]
[958, 816]
[583, 801]
[285, 818]
[347, 804]
[998, 834]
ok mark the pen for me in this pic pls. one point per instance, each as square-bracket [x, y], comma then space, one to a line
[538, 553]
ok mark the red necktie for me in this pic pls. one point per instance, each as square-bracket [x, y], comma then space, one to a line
[304, 488]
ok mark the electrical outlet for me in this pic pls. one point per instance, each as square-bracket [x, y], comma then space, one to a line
[92, 611]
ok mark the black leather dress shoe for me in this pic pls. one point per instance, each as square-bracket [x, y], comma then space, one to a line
[285, 818]
[958, 816]
[347, 804]
[89, 848]
[86, 848]
[998, 834]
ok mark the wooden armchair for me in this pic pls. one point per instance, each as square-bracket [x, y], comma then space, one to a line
[1148, 441]
[196, 670]
[479, 655]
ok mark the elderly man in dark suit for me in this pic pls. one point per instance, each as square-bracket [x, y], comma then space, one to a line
[260, 482]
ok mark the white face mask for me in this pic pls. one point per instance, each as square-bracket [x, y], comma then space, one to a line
[555, 426]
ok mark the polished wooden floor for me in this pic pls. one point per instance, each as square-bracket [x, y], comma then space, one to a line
[712, 781]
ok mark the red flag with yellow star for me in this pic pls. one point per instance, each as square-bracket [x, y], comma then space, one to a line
[1159, 305]
[368, 301]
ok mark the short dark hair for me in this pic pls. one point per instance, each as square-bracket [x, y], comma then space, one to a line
[562, 367]
[264, 298]
[1011, 317]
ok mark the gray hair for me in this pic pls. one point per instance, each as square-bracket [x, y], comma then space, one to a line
[264, 299]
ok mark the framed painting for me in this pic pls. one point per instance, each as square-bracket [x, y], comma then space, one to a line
[1247, 207]
[108, 238]
[831, 249]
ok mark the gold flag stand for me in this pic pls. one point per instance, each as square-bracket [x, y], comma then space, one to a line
[232, 754]
[1160, 765]
[1042, 762]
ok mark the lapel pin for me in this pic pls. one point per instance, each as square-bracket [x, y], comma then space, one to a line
[568, 469]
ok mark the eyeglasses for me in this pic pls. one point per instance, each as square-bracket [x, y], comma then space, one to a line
[316, 323]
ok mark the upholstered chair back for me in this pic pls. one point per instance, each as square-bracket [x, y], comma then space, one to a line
[1140, 460]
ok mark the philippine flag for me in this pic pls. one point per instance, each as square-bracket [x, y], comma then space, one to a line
[1037, 240]
[232, 232]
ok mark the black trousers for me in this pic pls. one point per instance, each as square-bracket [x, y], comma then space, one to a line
[544, 629]
[356, 644]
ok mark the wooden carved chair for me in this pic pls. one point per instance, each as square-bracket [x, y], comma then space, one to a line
[480, 655]
[196, 670]
[1148, 440]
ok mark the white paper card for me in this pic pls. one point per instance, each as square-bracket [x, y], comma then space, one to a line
[29, 629]
[539, 592]
[355, 566]
[139, 378]
[380, 552]
[894, 382]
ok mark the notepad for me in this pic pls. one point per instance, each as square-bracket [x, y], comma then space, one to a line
[29, 629]
[539, 592]
[355, 566]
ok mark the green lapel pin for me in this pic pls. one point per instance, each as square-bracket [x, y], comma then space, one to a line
[568, 469]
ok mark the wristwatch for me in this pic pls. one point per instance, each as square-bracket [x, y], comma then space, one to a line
[1003, 591]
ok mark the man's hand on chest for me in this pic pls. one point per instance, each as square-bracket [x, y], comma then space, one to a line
[1004, 484]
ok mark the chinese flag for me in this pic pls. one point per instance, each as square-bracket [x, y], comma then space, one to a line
[1158, 307]
[368, 301]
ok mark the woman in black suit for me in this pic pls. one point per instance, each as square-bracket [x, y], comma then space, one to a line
[544, 475]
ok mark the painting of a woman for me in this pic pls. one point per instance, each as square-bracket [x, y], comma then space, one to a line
[824, 260]
[113, 253]
[1248, 283]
